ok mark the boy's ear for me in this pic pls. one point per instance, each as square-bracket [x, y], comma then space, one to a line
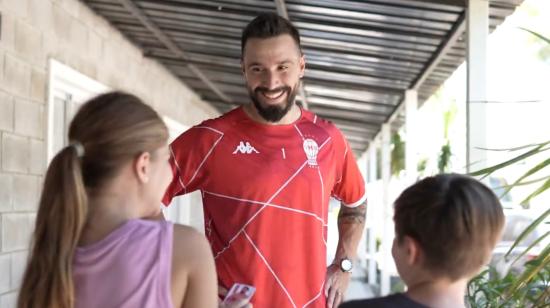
[141, 167]
[412, 250]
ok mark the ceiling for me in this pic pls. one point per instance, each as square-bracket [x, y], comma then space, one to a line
[360, 55]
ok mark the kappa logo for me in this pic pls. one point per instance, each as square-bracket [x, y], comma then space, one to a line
[245, 148]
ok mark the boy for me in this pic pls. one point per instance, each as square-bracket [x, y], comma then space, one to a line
[446, 227]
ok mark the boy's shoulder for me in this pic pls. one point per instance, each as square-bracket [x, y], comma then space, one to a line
[390, 301]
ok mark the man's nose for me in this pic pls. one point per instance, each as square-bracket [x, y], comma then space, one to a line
[271, 80]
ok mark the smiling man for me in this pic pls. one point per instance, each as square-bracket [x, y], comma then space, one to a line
[266, 171]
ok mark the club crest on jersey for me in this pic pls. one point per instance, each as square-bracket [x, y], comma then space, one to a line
[245, 148]
[312, 149]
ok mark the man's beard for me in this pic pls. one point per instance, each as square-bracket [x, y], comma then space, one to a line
[273, 113]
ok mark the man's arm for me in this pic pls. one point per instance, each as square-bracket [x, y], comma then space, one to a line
[351, 222]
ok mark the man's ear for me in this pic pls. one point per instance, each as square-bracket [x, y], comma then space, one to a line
[412, 250]
[302, 65]
[142, 167]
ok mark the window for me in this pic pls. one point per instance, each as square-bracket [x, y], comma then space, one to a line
[68, 89]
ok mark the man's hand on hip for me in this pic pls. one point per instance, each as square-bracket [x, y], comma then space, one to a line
[336, 285]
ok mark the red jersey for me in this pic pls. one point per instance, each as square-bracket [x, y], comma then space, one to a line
[265, 192]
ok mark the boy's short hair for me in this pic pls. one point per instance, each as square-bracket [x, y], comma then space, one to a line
[268, 25]
[455, 219]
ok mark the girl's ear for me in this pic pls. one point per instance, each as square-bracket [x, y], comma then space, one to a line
[142, 167]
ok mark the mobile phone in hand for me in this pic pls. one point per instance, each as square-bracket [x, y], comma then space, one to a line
[239, 291]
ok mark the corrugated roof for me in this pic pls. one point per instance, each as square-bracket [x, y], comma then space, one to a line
[360, 55]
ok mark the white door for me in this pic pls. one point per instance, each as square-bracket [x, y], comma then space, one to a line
[68, 89]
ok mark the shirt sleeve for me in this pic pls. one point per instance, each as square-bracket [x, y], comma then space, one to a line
[349, 188]
[190, 153]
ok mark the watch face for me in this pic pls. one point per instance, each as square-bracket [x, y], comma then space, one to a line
[346, 265]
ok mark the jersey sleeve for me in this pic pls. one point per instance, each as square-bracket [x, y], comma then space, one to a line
[349, 188]
[190, 153]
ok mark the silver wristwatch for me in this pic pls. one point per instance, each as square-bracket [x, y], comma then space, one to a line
[346, 265]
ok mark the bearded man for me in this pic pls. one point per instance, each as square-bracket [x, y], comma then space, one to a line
[266, 171]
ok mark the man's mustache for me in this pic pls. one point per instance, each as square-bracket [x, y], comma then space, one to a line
[269, 91]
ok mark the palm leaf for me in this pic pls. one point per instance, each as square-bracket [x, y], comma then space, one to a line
[535, 243]
[527, 174]
[514, 149]
[527, 182]
[537, 192]
[545, 295]
[487, 171]
[547, 40]
[528, 230]
[528, 274]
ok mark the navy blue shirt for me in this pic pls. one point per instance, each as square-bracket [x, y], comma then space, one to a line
[399, 300]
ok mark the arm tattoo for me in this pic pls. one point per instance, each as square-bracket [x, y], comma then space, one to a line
[355, 215]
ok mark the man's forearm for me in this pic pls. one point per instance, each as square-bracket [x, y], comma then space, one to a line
[351, 222]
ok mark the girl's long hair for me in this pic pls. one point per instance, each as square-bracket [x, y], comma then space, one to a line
[107, 132]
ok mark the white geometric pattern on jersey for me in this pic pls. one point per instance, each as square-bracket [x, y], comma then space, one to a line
[299, 132]
[316, 296]
[270, 269]
[268, 203]
[205, 157]
[346, 151]
[259, 211]
[265, 205]
[323, 223]
[320, 177]
[177, 168]
[322, 202]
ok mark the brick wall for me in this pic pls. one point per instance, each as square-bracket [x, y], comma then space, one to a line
[34, 31]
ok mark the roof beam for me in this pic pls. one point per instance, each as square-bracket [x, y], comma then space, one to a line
[455, 33]
[458, 28]
[281, 8]
[283, 12]
[458, 3]
[161, 36]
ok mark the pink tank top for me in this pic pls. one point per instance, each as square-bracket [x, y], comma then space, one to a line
[131, 267]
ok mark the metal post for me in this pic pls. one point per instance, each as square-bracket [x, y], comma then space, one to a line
[411, 105]
[387, 217]
[371, 248]
[477, 16]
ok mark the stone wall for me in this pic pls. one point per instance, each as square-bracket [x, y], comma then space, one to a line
[33, 31]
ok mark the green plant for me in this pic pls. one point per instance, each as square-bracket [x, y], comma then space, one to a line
[444, 158]
[489, 290]
[397, 154]
[421, 166]
[531, 287]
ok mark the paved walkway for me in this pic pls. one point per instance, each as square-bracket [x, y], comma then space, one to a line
[358, 287]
